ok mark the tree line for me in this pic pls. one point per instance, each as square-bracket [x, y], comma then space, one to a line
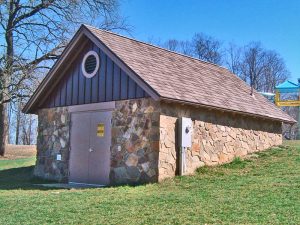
[261, 68]
[35, 33]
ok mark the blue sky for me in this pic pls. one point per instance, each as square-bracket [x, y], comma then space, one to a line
[275, 23]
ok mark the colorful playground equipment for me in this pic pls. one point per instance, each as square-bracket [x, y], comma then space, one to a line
[290, 89]
[283, 94]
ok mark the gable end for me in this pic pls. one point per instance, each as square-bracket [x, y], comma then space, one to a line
[110, 83]
[115, 80]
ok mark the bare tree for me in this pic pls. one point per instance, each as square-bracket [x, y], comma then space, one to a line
[172, 45]
[275, 71]
[207, 48]
[9, 120]
[253, 63]
[233, 60]
[26, 129]
[186, 48]
[35, 33]
[183, 47]
[202, 47]
[18, 120]
[263, 69]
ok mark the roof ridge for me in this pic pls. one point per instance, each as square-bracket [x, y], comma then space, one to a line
[155, 46]
[185, 66]
[170, 74]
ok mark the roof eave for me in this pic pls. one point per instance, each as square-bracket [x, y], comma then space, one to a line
[28, 108]
[227, 110]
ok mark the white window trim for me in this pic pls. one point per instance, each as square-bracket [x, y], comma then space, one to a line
[86, 74]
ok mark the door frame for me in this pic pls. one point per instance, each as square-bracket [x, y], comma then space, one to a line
[103, 106]
[94, 107]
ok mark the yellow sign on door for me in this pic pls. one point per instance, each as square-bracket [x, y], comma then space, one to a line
[100, 130]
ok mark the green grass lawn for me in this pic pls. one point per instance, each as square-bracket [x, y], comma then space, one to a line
[264, 190]
[10, 164]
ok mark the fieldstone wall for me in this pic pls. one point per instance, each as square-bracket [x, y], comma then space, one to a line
[134, 149]
[217, 137]
[135, 142]
[53, 139]
[144, 144]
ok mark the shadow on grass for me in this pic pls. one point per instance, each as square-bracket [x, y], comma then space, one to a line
[21, 178]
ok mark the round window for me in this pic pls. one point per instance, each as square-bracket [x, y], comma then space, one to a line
[90, 64]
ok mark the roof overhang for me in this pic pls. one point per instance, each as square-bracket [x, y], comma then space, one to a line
[169, 100]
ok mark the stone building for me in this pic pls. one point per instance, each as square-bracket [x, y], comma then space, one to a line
[110, 110]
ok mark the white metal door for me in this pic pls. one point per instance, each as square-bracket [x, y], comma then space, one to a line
[79, 156]
[100, 140]
[90, 147]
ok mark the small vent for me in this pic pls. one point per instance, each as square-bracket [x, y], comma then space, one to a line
[90, 64]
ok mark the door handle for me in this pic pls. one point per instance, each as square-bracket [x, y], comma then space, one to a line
[91, 150]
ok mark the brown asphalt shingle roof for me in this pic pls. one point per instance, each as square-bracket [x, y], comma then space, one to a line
[181, 78]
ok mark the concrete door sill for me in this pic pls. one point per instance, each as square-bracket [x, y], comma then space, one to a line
[71, 185]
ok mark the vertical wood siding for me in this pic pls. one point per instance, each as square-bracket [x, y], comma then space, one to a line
[109, 84]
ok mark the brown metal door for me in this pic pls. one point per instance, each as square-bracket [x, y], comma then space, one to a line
[80, 140]
[100, 140]
[90, 148]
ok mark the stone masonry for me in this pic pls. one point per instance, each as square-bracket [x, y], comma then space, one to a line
[217, 137]
[53, 139]
[144, 144]
[135, 142]
[134, 149]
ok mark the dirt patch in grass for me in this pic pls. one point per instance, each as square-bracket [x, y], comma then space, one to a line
[19, 152]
